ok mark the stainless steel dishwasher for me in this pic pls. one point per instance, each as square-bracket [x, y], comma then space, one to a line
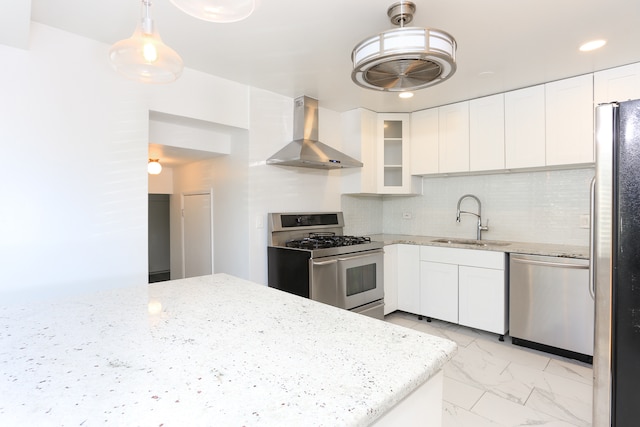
[551, 305]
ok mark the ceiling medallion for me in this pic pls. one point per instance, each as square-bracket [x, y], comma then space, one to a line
[405, 58]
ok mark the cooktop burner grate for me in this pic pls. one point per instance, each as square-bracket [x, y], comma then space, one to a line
[326, 240]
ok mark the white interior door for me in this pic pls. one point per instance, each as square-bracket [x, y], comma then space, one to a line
[197, 235]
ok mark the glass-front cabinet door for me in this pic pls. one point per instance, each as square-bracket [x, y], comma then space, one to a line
[394, 155]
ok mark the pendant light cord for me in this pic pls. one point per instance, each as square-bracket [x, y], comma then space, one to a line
[147, 22]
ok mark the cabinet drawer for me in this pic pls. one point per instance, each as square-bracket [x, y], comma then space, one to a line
[470, 257]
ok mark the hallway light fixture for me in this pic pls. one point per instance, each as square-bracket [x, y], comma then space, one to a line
[405, 58]
[223, 11]
[154, 167]
[143, 56]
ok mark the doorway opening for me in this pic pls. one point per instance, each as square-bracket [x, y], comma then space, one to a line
[159, 238]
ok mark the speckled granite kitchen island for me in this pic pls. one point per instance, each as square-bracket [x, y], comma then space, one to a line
[207, 351]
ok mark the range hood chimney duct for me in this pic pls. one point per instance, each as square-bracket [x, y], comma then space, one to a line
[305, 150]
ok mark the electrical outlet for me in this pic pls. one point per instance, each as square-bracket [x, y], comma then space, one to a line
[584, 221]
[406, 215]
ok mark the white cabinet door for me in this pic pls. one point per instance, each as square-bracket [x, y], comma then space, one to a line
[390, 279]
[439, 291]
[409, 278]
[424, 141]
[486, 133]
[359, 129]
[569, 121]
[524, 128]
[617, 84]
[482, 299]
[453, 138]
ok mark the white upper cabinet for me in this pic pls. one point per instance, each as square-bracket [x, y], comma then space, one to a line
[424, 141]
[525, 128]
[569, 121]
[382, 143]
[617, 84]
[453, 146]
[486, 133]
[359, 129]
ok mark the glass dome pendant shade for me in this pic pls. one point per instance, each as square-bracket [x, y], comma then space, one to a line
[154, 167]
[144, 57]
[217, 10]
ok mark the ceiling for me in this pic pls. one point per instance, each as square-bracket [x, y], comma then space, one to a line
[304, 47]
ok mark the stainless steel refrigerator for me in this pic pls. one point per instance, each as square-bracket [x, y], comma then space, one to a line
[616, 265]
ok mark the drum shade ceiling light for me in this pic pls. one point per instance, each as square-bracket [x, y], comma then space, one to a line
[405, 58]
[143, 56]
[217, 10]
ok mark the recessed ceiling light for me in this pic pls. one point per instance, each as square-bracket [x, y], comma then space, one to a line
[592, 45]
[405, 95]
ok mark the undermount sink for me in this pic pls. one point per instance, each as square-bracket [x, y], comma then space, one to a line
[470, 242]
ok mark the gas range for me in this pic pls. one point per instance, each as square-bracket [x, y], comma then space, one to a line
[308, 255]
[319, 233]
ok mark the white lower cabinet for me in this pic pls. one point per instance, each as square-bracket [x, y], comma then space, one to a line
[439, 291]
[390, 279]
[464, 286]
[482, 299]
[401, 278]
[408, 278]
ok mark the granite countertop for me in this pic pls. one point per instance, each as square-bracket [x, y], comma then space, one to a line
[212, 350]
[567, 251]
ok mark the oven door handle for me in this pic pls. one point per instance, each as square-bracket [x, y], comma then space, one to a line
[333, 261]
[365, 255]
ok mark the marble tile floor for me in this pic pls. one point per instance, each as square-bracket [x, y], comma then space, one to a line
[498, 384]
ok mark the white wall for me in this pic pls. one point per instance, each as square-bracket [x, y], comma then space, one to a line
[74, 137]
[161, 183]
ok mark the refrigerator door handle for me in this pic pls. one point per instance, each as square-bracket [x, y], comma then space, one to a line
[592, 243]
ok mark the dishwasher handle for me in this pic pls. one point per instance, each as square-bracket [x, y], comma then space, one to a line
[548, 263]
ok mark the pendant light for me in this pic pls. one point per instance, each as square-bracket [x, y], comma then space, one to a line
[154, 167]
[217, 10]
[406, 58]
[143, 56]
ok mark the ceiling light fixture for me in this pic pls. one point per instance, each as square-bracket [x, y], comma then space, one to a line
[592, 45]
[143, 56]
[217, 10]
[405, 58]
[405, 95]
[154, 167]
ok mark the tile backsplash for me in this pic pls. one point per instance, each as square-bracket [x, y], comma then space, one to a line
[541, 207]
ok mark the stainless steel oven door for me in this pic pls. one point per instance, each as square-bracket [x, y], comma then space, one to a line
[348, 281]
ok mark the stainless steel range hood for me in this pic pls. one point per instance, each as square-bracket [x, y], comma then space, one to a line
[305, 150]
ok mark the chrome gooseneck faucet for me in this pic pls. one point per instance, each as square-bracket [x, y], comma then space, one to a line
[480, 227]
